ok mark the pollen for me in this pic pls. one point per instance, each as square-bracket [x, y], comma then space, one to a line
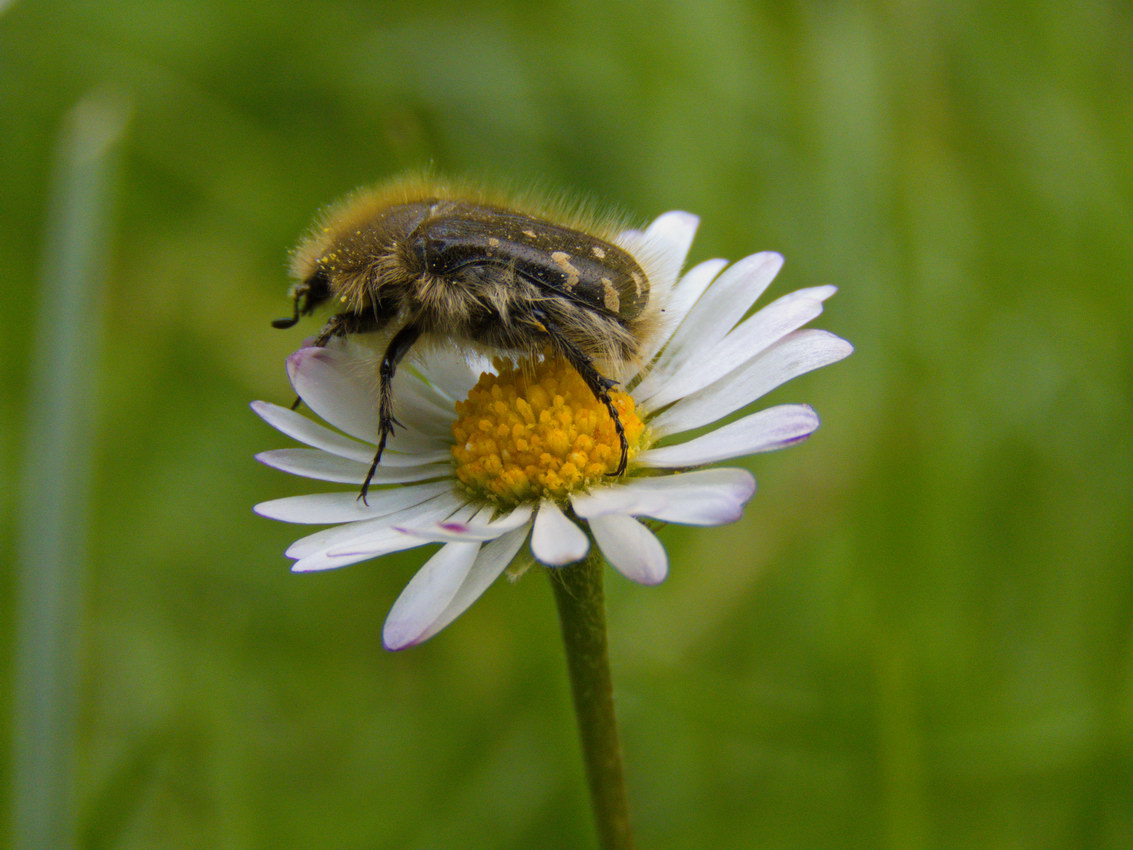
[535, 431]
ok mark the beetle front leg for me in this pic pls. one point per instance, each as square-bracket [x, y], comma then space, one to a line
[396, 350]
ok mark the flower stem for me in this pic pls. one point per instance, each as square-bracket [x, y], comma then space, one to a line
[582, 615]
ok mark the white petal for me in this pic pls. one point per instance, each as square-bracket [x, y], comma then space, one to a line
[428, 594]
[688, 289]
[615, 499]
[744, 342]
[376, 539]
[313, 463]
[666, 244]
[326, 508]
[339, 388]
[556, 540]
[381, 538]
[703, 497]
[340, 385]
[714, 314]
[421, 406]
[360, 541]
[299, 427]
[476, 529]
[436, 508]
[451, 371]
[631, 548]
[492, 560]
[797, 353]
[765, 431]
[324, 560]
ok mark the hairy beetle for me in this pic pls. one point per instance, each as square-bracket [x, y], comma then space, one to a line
[426, 260]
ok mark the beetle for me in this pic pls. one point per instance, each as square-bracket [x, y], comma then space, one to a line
[427, 260]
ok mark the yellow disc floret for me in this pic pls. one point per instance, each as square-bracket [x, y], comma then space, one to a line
[535, 431]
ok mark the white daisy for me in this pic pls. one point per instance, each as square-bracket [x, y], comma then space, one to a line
[494, 454]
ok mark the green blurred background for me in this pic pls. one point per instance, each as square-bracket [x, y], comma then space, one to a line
[919, 635]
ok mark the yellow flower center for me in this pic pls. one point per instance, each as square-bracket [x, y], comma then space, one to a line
[535, 431]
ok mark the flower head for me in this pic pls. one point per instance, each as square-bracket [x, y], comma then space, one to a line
[494, 453]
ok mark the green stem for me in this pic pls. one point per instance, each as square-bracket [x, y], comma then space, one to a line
[582, 615]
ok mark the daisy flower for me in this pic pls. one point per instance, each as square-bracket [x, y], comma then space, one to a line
[493, 454]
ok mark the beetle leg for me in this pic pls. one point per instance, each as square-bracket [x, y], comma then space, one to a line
[343, 324]
[598, 383]
[396, 350]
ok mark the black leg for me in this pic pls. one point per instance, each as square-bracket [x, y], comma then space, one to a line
[397, 349]
[343, 324]
[598, 383]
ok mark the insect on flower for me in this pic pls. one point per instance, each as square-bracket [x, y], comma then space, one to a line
[496, 454]
[460, 265]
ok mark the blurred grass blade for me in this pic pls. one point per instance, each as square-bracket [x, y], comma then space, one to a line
[54, 495]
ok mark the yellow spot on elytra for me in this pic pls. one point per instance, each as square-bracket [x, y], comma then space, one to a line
[493, 242]
[599, 252]
[610, 296]
[535, 431]
[530, 233]
[562, 260]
